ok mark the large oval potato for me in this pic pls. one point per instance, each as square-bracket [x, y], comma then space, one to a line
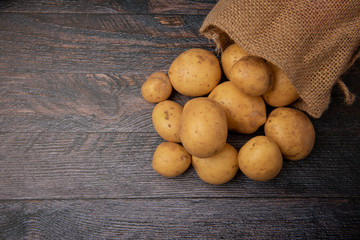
[282, 92]
[203, 130]
[170, 159]
[217, 169]
[292, 131]
[195, 72]
[252, 75]
[260, 159]
[230, 56]
[166, 118]
[156, 88]
[244, 113]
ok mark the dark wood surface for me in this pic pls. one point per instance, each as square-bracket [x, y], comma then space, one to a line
[76, 138]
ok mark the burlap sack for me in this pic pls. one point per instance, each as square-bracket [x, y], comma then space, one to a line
[314, 42]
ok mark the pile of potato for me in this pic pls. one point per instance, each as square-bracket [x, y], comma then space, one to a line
[196, 133]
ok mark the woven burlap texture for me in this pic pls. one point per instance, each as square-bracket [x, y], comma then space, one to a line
[313, 42]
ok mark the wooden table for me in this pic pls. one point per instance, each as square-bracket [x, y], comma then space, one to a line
[76, 137]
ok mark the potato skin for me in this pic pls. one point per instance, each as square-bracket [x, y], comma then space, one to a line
[217, 169]
[230, 56]
[244, 114]
[260, 159]
[156, 88]
[170, 159]
[282, 92]
[252, 75]
[292, 131]
[203, 130]
[195, 72]
[166, 118]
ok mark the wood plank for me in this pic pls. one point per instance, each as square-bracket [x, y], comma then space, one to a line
[118, 165]
[72, 6]
[100, 7]
[183, 218]
[76, 102]
[37, 102]
[88, 43]
[181, 6]
[73, 102]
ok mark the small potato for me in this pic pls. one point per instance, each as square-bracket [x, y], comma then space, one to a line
[156, 88]
[282, 92]
[203, 130]
[170, 159]
[218, 169]
[252, 75]
[260, 159]
[244, 113]
[195, 72]
[166, 118]
[292, 131]
[230, 56]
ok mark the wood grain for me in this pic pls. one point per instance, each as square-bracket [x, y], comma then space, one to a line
[110, 6]
[84, 43]
[117, 165]
[183, 218]
[181, 6]
[73, 102]
[76, 102]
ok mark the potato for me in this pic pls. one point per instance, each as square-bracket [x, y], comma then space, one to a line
[203, 130]
[282, 92]
[170, 159]
[260, 159]
[244, 114]
[195, 72]
[292, 131]
[230, 56]
[156, 88]
[166, 118]
[218, 169]
[252, 75]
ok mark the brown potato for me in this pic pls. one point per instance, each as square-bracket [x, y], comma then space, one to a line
[282, 92]
[203, 130]
[292, 131]
[170, 159]
[195, 72]
[252, 75]
[166, 118]
[156, 88]
[260, 159]
[230, 56]
[244, 113]
[218, 169]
